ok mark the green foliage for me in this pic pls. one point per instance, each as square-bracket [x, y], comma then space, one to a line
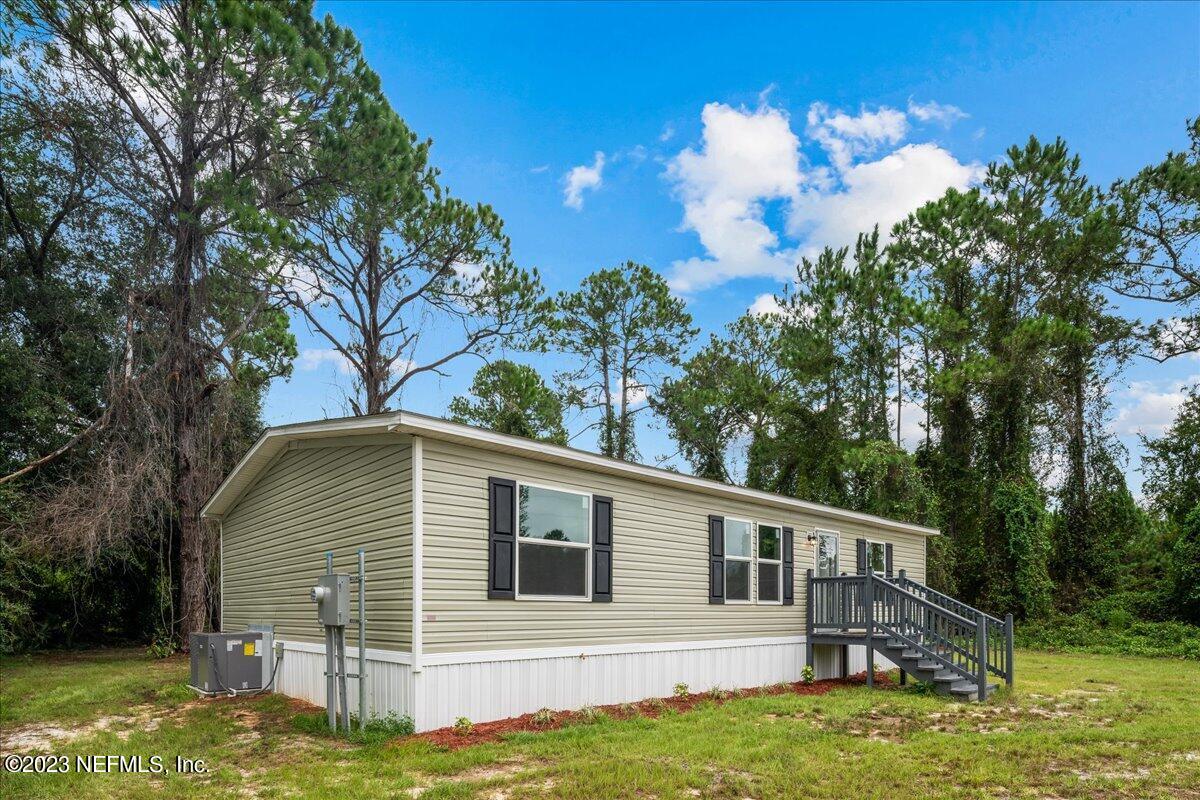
[680, 690]
[1184, 569]
[512, 398]
[806, 674]
[1172, 463]
[884, 479]
[377, 730]
[543, 717]
[463, 726]
[623, 327]
[1111, 633]
[1017, 523]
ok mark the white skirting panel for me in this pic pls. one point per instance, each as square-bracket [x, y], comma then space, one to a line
[490, 685]
[389, 680]
[488, 690]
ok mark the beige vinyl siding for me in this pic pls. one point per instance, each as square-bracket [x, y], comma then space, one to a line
[336, 494]
[660, 561]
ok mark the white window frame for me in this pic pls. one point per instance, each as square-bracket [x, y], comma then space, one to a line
[777, 564]
[753, 551]
[884, 546]
[558, 598]
[821, 533]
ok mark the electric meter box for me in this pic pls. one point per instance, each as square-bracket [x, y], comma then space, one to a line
[231, 662]
[332, 595]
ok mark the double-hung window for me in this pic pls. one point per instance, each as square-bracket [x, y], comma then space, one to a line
[739, 560]
[554, 543]
[770, 563]
[827, 554]
[877, 557]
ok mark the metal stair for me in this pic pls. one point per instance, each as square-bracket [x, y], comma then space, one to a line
[930, 636]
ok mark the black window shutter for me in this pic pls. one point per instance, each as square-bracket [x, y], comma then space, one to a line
[601, 549]
[716, 560]
[789, 598]
[860, 549]
[502, 538]
[887, 559]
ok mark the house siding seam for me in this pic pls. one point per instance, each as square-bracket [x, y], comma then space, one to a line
[660, 561]
[314, 499]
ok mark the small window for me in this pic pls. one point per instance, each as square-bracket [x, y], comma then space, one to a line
[877, 557]
[554, 551]
[739, 555]
[770, 563]
[827, 554]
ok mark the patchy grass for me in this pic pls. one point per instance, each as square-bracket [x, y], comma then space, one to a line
[1077, 726]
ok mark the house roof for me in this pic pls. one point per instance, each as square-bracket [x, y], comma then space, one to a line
[274, 441]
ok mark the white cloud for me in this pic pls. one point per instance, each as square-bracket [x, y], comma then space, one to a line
[879, 192]
[1151, 406]
[934, 111]
[747, 158]
[581, 178]
[539, 169]
[668, 133]
[765, 304]
[845, 137]
[314, 358]
[751, 158]
[634, 395]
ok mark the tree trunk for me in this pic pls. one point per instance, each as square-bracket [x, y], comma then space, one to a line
[185, 390]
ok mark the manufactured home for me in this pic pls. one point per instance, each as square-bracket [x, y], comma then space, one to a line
[506, 575]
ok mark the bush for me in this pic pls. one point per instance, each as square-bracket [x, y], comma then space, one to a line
[807, 674]
[463, 726]
[543, 717]
[681, 690]
[1111, 631]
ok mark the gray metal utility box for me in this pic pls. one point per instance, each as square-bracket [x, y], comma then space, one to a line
[230, 662]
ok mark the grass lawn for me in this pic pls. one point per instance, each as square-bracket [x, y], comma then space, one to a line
[1076, 726]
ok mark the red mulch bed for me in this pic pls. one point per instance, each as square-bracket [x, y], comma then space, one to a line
[494, 731]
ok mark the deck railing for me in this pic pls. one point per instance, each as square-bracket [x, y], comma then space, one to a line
[947, 631]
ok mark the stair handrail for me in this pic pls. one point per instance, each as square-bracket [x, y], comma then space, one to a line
[907, 582]
[1001, 646]
[929, 636]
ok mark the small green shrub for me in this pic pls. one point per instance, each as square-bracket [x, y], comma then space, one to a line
[658, 704]
[463, 726]
[807, 674]
[681, 690]
[543, 717]
[591, 714]
[629, 709]
[717, 693]
[163, 646]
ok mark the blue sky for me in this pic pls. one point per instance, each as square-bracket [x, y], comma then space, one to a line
[736, 137]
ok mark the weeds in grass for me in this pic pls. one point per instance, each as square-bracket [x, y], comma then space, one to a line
[591, 714]
[543, 717]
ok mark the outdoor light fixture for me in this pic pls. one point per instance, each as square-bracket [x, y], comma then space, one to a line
[812, 535]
